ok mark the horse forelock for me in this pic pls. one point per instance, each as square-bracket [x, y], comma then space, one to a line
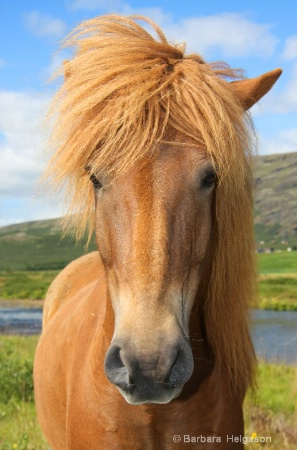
[125, 94]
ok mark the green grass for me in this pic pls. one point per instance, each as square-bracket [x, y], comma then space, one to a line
[19, 428]
[278, 292]
[271, 410]
[18, 424]
[277, 390]
[16, 360]
[25, 285]
[278, 262]
[278, 280]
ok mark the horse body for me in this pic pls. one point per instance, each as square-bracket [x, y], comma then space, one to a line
[150, 341]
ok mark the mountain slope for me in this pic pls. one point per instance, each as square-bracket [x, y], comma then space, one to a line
[36, 246]
[276, 198]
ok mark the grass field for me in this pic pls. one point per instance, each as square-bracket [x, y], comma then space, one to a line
[278, 262]
[18, 425]
[25, 284]
[269, 412]
[278, 292]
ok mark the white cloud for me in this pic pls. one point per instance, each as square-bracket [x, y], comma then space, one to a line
[284, 142]
[43, 25]
[290, 51]
[110, 6]
[154, 13]
[287, 100]
[21, 141]
[3, 63]
[232, 34]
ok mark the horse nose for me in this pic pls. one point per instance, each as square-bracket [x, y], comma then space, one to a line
[129, 373]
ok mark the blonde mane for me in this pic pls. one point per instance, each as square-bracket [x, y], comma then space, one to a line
[123, 91]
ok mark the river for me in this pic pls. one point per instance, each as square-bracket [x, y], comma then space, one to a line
[274, 332]
[275, 335]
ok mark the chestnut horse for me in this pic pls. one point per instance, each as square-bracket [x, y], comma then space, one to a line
[145, 342]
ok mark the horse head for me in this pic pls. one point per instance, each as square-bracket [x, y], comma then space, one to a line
[165, 142]
[153, 226]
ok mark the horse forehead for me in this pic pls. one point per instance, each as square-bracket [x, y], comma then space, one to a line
[179, 155]
[168, 169]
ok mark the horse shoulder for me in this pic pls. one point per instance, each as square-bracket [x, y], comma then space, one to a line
[75, 276]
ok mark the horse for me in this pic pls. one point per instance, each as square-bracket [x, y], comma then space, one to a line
[145, 342]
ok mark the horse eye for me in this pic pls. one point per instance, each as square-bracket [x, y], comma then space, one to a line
[209, 179]
[95, 181]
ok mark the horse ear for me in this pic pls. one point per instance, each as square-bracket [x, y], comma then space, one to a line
[250, 91]
[67, 72]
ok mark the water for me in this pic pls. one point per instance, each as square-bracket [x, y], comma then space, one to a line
[20, 320]
[274, 332]
[275, 335]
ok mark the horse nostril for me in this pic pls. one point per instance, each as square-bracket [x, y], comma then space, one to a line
[181, 369]
[116, 371]
[113, 360]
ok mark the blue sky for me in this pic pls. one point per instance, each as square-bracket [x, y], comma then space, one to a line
[257, 36]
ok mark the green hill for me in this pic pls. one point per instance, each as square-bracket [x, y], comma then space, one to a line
[276, 200]
[38, 245]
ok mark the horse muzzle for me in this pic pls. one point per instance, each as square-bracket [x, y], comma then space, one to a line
[145, 379]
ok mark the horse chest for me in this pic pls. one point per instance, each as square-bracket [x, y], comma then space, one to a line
[114, 425]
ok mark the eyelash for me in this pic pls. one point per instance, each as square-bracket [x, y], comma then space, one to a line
[95, 181]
